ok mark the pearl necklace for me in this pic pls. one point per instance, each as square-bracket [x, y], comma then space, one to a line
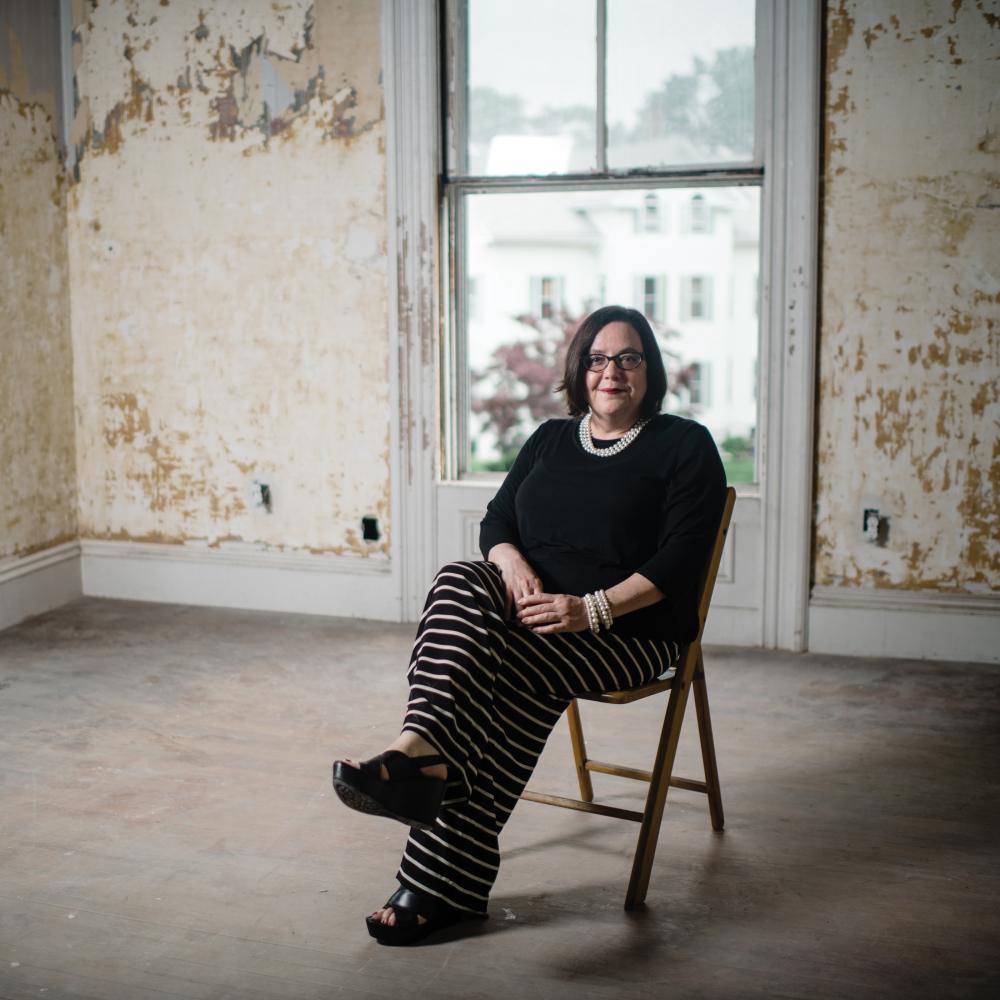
[587, 441]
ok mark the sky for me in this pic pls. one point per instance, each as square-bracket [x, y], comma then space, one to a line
[544, 50]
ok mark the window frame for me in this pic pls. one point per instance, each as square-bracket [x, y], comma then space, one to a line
[456, 184]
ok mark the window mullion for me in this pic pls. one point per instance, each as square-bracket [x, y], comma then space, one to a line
[602, 86]
[457, 93]
[750, 176]
[461, 389]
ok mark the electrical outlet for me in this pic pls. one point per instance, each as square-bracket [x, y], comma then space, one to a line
[869, 524]
[875, 527]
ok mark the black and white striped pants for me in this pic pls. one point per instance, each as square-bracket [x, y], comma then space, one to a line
[486, 693]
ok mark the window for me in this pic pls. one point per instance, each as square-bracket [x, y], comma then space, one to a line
[649, 298]
[546, 297]
[697, 297]
[700, 384]
[652, 220]
[558, 185]
[699, 215]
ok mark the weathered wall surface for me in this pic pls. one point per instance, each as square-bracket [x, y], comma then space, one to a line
[910, 341]
[36, 389]
[227, 240]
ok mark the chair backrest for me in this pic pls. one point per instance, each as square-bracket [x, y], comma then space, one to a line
[712, 569]
[706, 588]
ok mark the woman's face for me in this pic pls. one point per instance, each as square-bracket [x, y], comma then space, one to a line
[615, 396]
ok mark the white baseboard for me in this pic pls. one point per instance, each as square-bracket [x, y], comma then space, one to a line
[911, 624]
[238, 576]
[32, 585]
[847, 621]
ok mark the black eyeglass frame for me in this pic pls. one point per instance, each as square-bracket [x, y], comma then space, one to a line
[616, 358]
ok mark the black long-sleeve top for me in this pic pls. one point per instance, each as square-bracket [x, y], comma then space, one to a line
[586, 522]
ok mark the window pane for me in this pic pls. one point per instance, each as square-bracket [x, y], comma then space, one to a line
[531, 87]
[680, 82]
[543, 260]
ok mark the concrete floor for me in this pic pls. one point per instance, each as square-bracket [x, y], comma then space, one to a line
[168, 829]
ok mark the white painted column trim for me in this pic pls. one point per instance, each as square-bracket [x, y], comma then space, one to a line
[411, 81]
[791, 99]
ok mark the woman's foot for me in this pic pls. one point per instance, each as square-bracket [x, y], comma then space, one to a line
[413, 745]
[387, 917]
[409, 917]
[400, 782]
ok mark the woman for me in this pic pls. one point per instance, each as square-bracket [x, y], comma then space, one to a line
[594, 544]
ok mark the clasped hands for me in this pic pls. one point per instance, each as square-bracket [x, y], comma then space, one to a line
[545, 613]
[542, 613]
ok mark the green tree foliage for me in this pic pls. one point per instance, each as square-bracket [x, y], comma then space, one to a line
[729, 111]
[671, 110]
[493, 113]
[712, 106]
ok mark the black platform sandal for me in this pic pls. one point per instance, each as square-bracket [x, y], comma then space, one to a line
[408, 796]
[408, 905]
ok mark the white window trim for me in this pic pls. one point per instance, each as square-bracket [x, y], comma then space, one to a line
[413, 150]
[788, 99]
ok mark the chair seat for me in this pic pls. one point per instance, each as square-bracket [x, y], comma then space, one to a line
[662, 683]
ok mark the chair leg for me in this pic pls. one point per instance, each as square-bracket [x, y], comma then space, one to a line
[659, 785]
[708, 746]
[579, 751]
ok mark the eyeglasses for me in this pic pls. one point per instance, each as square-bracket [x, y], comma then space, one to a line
[627, 361]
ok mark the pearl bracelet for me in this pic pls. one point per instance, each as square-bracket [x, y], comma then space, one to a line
[604, 608]
[598, 609]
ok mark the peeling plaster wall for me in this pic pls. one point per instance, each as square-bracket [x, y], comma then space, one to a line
[910, 331]
[227, 239]
[36, 388]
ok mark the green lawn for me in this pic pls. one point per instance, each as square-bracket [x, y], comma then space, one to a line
[738, 470]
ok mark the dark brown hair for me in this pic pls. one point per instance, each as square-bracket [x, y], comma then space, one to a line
[574, 382]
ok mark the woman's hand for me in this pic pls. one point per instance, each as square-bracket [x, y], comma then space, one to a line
[545, 613]
[519, 578]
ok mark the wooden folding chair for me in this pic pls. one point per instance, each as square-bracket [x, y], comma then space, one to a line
[690, 672]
